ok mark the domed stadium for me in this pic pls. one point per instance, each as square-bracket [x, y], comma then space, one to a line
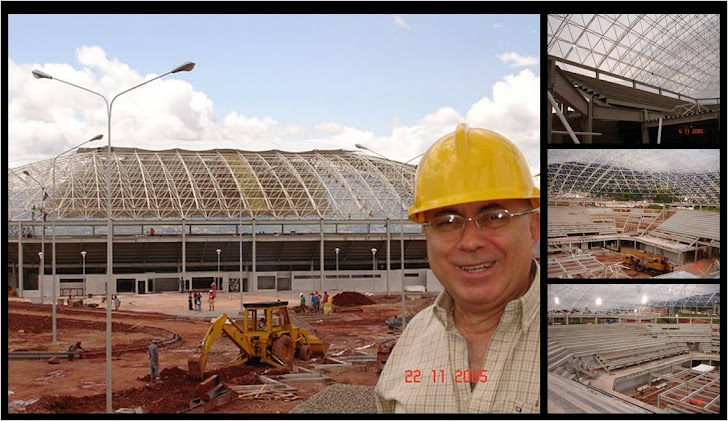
[626, 213]
[634, 348]
[182, 219]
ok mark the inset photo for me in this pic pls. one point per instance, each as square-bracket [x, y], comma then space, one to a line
[633, 348]
[639, 213]
[634, 79]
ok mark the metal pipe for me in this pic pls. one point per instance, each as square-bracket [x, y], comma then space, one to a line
[562, 118]
[579, 133]
[659, 131]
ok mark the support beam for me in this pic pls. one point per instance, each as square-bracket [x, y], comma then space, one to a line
[567, 93]
[715, 115]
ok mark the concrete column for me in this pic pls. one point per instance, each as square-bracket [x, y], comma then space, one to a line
[254, 282]
[321, 257]
[589, 120]
[389, 244]
[241, 282]
[20, 259]
[645, 135]
[184, 257]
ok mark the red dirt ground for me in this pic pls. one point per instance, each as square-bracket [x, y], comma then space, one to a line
[79, 386]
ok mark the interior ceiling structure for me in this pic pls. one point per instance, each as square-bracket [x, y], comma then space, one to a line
[675, 52]
[687, 173]
[630, 297]
[214, 184]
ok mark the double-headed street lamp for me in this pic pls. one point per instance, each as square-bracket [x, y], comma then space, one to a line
[186, 67]
[55, 216]
[41, 272]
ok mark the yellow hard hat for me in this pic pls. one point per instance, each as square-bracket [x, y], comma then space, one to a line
[471, 165]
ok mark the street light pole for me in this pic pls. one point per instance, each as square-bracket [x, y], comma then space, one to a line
[41, 272]
[83, 255]
[186, 67]
[53, 242]
[337, 250]
[217, 282]
[40, 256]
[374, 267]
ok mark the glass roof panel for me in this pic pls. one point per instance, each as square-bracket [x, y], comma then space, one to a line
[676, 52]
[630, 297]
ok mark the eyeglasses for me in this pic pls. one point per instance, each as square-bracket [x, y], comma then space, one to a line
[490, 220]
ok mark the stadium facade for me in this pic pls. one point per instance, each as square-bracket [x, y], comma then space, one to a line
[317, 220]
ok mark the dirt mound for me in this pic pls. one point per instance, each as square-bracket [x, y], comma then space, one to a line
[350, 298]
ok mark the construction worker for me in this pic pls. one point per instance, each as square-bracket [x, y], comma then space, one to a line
[475, 196]
[303, 303]
[74, 349]
[117, 301]
[211, 299]
[154, 360]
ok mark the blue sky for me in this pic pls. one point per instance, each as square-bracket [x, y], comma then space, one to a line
[392, 82]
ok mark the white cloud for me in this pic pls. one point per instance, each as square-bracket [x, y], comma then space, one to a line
[400, 22]
[47, 117]
[517, 60]
[514, 112]
[329, 127]
[497, 26]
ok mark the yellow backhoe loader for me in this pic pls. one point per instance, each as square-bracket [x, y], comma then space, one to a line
[641, 261]
[266, 335]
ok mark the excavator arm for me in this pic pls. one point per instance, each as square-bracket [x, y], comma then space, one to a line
[197, 361]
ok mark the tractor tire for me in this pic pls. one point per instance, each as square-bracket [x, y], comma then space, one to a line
[283, 349]
[304, 353]
[653, 273]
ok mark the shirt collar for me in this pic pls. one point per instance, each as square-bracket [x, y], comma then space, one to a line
[525, 307]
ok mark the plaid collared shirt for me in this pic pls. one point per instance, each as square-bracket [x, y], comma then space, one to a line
[425, 372]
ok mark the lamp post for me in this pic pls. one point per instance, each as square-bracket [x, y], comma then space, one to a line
[374, 259]
[337, 250]
[401, 233]
[55, 216]
[83, 255]
[218, 268]
[186, 67]
[41, 272]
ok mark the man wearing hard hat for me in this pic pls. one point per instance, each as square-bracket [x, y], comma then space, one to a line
[476, 349]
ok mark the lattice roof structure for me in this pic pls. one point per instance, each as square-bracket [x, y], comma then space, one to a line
[213, 184]
[675, 52]
[692, 174]
[630, 297]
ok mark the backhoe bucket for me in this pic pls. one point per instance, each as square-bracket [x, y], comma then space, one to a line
[318, 347]
[194, 365]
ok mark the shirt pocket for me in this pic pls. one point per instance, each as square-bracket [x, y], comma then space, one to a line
[522, 406]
